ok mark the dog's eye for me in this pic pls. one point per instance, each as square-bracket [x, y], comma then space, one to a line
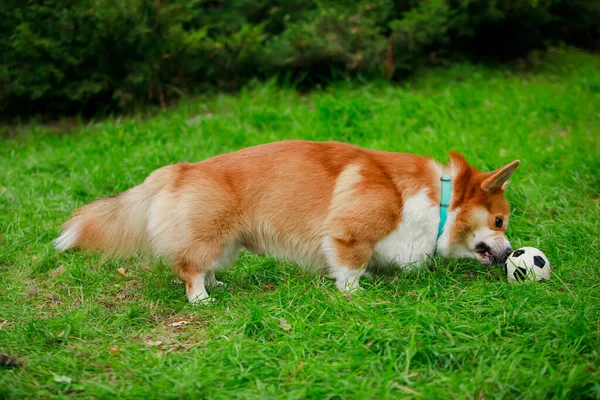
[499, 222]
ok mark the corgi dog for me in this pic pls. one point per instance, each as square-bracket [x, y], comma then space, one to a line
[327, 205]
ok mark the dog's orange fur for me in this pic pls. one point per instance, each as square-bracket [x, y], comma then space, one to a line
[283, 197]
[475, 189]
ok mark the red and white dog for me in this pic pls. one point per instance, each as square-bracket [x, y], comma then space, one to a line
[326, 205]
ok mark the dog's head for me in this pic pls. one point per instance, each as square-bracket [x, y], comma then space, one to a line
[479, 213]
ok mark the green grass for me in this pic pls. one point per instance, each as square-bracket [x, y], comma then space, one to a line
[461, 331]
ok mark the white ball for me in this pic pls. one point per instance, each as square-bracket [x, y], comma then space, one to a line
[527, 263]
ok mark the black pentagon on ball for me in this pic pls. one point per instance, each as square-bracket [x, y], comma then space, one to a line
[520, 274]
[517, 253]
[539, 262]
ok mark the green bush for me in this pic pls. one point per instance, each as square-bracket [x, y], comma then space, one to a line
[65, 56]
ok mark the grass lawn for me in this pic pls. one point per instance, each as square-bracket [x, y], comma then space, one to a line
[82, 329]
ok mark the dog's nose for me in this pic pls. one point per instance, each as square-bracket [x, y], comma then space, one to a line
[501, 258]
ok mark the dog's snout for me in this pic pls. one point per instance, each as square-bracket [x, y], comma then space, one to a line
[501, 250]
[501, 257]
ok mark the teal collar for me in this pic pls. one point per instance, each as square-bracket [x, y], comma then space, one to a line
[444, 202]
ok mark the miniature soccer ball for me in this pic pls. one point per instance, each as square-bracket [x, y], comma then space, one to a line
[527, 263]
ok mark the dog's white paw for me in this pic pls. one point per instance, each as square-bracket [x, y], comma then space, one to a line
[215, 283]
[350, 289]
[202, 301]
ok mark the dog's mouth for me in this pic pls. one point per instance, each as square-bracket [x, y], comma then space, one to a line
[484, 254]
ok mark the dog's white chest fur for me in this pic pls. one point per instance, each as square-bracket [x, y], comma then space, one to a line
[414, 238]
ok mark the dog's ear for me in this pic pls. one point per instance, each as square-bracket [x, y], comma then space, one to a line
[458, 163]
[498, 178]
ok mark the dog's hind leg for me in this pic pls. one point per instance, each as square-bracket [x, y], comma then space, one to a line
[195, 285]
[211, 280]
[194, 222]
[196, 266]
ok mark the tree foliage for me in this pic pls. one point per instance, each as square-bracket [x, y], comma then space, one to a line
[62, 56]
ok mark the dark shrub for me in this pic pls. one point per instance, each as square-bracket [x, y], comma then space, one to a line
[65, 56]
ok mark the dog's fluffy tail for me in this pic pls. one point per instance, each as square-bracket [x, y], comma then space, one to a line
[114, 225]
